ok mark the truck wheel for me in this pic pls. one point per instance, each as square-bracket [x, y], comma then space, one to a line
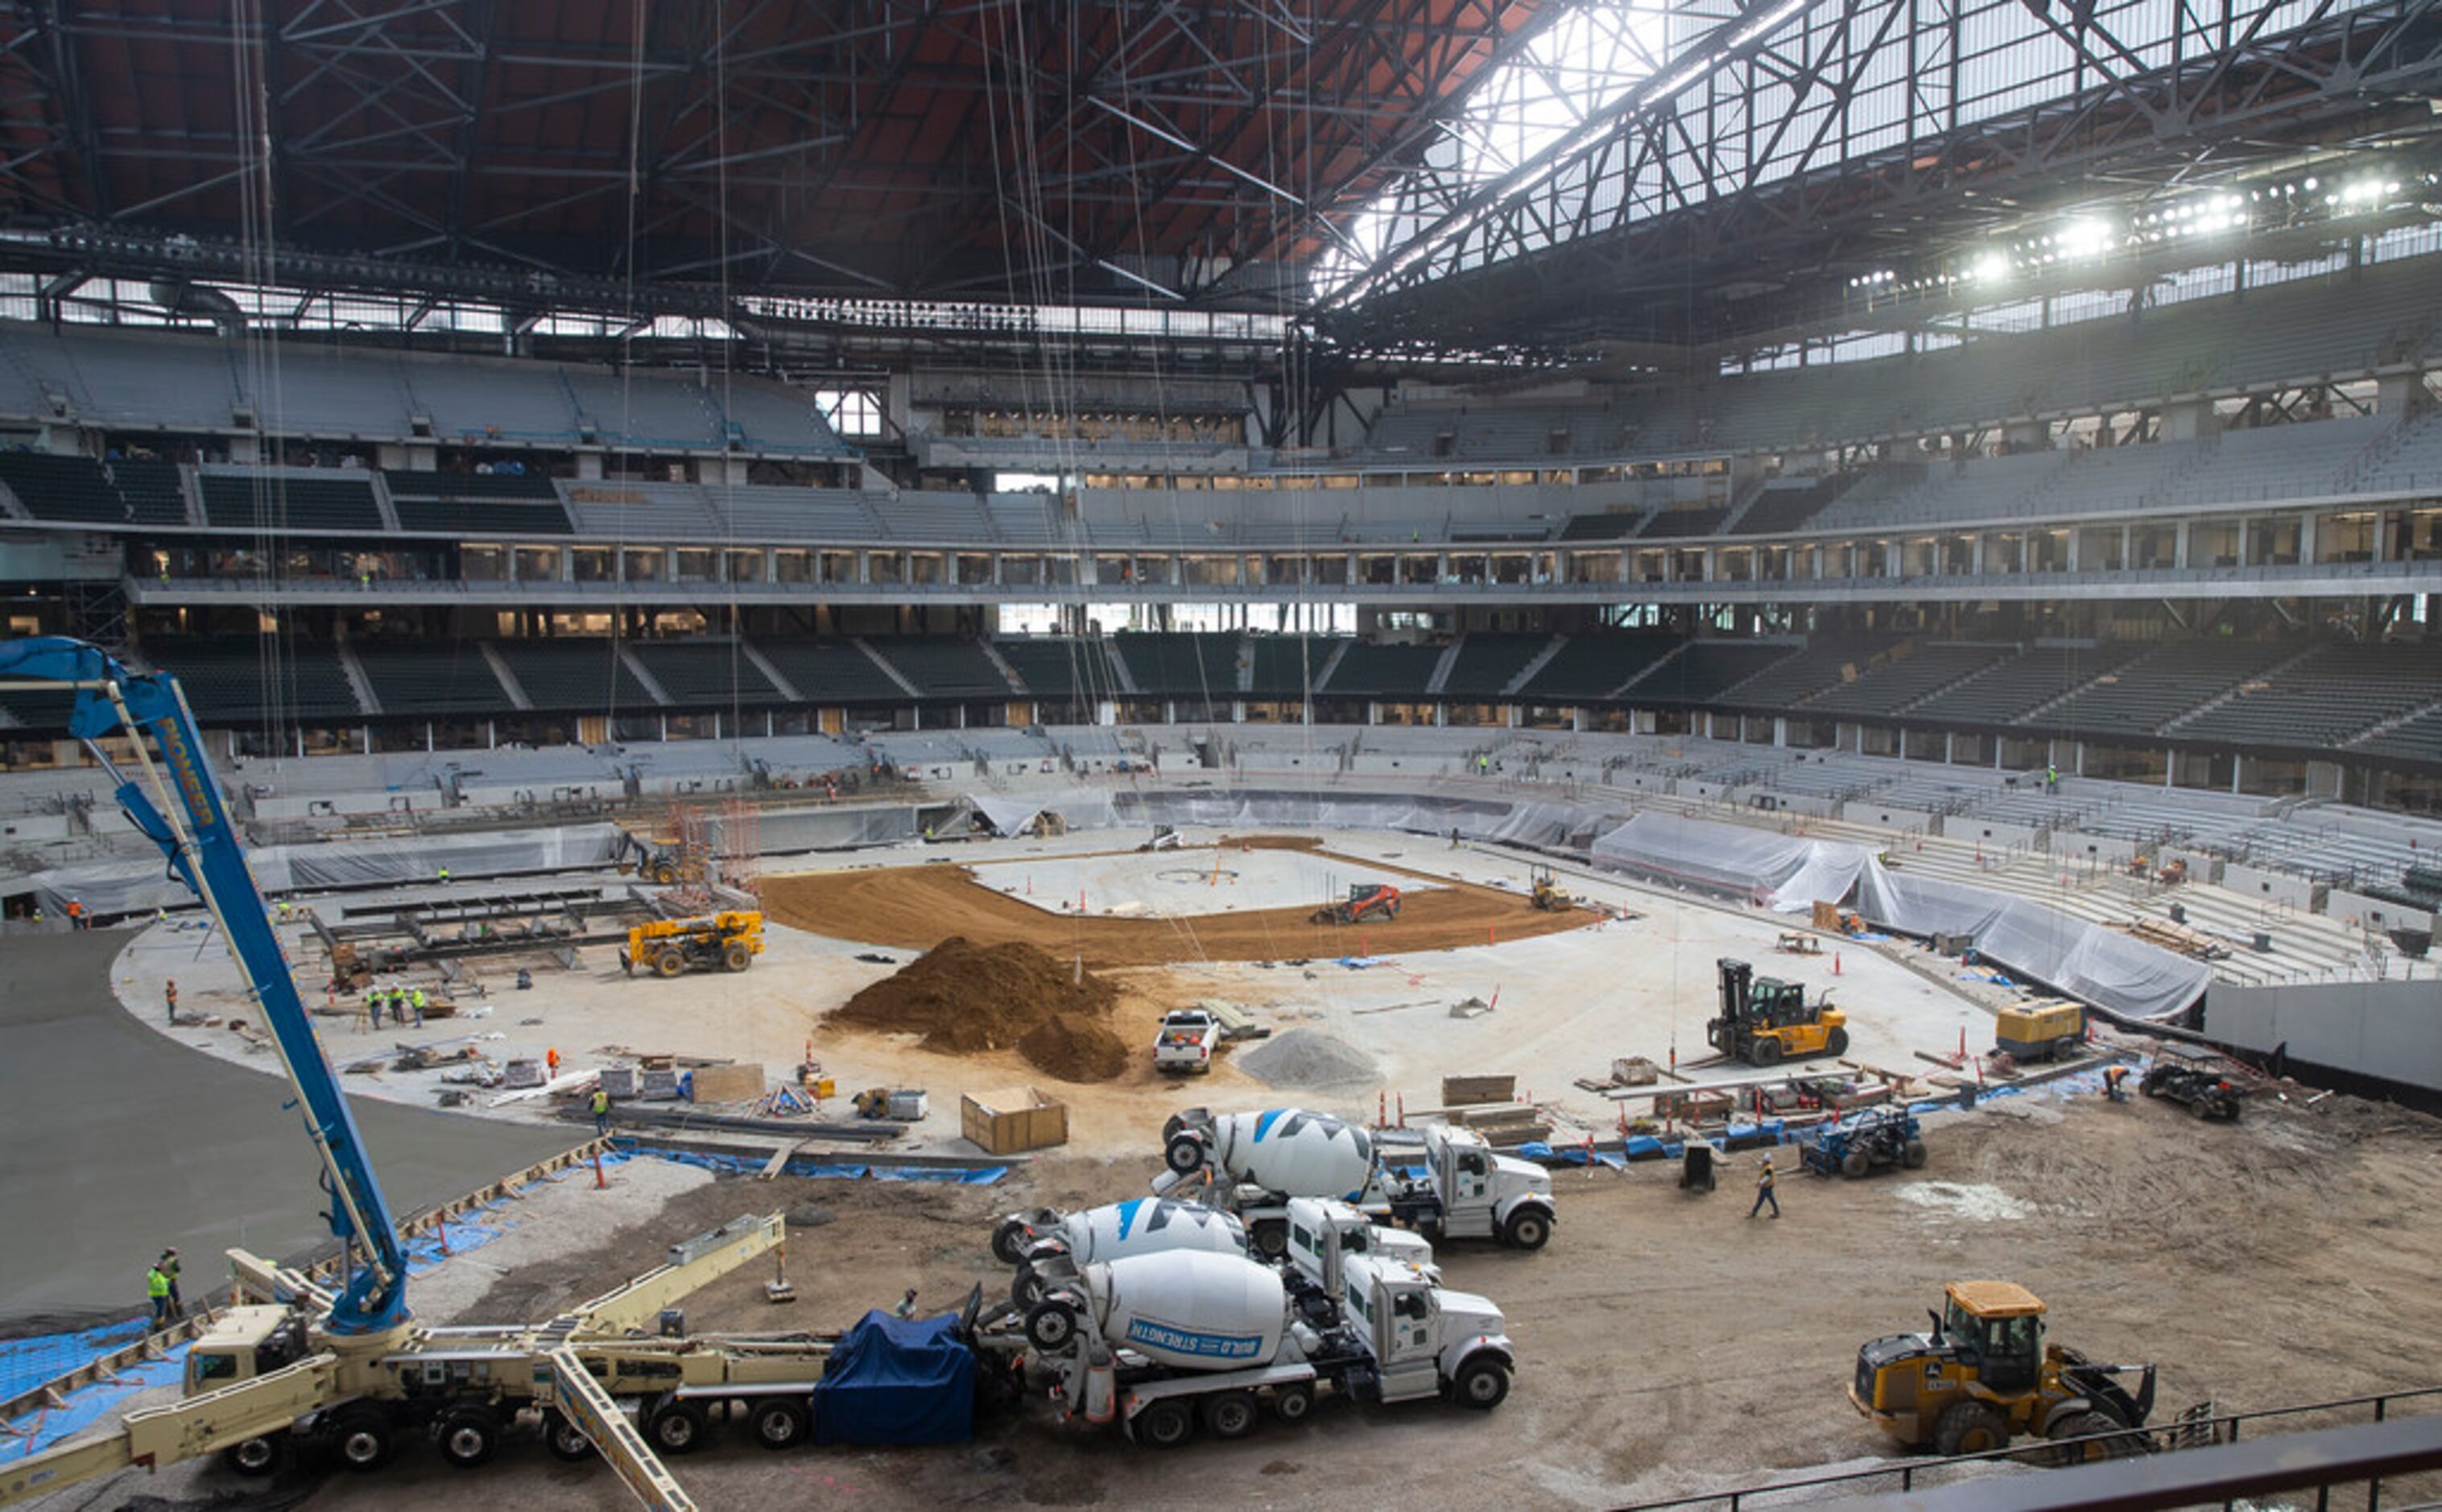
[1527, 1228]
[1232, 1415]
[1912, 1154]
[467, 1436]
[1052, 1324]
[677, 1425]
[779, 1423]
[1481, 1383]
[1027, 1288]
[1184, 1153]
[1855, 1162]
[735, 956]
[1009, 1241]
[1764, 1052]
[1272, 1238]
[566, 1441]
[1165, 1425]
[669, 963]
[1836, 1043]
[1970, 1427]
[666, 874]
[364, 1437]
[2201, 1108]
[1292, 1402]
[257, 1457]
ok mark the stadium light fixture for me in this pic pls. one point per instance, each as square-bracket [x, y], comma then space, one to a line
[1991, 269]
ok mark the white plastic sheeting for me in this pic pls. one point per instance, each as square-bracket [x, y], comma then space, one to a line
[2074, 956]
[1785, 871]
[1790, 874]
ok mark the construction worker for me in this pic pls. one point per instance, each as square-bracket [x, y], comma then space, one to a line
[550, 1058]
[1763, 1189]
[169, 996]
[76, 914]
[445, 876]
[2114, 1083]
[2051, 778]
[906, 1307]
[601, 1105]
[374, 1004]
[168, 1266]
[156, 1292]
[415, 1002]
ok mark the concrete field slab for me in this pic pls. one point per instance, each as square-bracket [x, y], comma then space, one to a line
[123, 1141]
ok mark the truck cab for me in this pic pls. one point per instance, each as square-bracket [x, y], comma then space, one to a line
[1425, 1340]
[1325, 1234]
[1469, 1192]
[242, 1343]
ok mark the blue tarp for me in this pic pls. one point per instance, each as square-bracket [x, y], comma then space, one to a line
[895, 1380]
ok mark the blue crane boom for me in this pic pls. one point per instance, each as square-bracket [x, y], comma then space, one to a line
[173, 800]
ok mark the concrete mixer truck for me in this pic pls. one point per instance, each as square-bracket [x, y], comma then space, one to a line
[1165, 1344]
[1466, 1192]
[1256, 1162]
[1252, 1163]
[1046, 1244]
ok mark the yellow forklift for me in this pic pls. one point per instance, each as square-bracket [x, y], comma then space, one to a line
[669, 947]
[1764, 1021]
[1985, 1375]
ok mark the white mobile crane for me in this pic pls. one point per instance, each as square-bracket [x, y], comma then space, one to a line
[347, 1367]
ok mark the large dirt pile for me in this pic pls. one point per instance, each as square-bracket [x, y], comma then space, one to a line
[966, 998]
[1075, 1048]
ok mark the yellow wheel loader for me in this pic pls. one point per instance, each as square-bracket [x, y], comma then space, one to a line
[1984, 1375]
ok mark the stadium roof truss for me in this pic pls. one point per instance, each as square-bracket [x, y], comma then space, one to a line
[1775, 146]
[1104, 149]
[1428, 180]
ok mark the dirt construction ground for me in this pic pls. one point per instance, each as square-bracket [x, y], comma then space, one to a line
[911, 906]
[1667, 1343]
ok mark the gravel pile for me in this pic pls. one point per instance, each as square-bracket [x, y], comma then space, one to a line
[1310, 1058]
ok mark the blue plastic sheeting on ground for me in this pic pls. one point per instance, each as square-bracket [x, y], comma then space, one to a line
[894, 1380]
[817, 1169]
[91, 1405]
[980, 1176]
[38, 1357]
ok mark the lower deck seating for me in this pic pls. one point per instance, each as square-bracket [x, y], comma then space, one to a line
[1061, 668]
[704, 672]
[946, 668]
[248, 679]
[2156, 688]
[427, 677]
[1394, 672]
[1488, 663]
[830, 671]
[583, 675]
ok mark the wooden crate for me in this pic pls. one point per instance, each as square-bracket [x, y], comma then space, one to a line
[1016, 1118]
[1458, 1091]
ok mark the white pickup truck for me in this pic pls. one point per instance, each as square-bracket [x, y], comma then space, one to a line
[1190, 1037]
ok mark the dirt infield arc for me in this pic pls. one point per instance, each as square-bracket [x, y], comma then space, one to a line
[917, 907]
